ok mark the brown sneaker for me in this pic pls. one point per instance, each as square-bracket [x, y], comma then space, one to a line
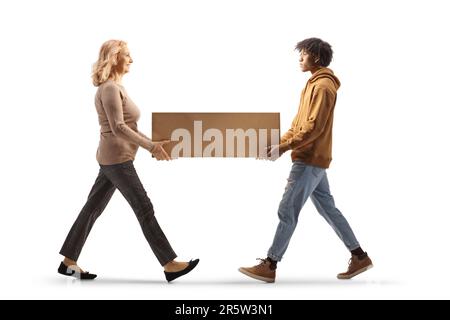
[261, 271]
[356, 266]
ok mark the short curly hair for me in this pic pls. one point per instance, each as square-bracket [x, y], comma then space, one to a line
[318, 48]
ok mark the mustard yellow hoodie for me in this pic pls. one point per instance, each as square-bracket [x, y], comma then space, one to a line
[310, 135]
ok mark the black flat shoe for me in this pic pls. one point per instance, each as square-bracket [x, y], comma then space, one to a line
[67, 271]
[173, 275]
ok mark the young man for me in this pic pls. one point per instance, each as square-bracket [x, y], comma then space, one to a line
[309, 138]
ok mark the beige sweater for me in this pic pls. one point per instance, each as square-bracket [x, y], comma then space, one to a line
[117, 116]
[310, 135]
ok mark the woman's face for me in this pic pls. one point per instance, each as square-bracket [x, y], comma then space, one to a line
[124, 61]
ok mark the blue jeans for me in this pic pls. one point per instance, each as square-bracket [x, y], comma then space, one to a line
[308, 181]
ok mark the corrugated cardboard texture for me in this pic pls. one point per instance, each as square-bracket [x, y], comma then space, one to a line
[216, 134]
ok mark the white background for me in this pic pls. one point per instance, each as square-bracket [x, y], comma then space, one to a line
[389, 175]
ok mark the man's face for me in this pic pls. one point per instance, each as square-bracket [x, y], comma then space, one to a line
[306, 61]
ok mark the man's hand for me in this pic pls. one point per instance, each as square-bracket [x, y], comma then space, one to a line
[275, 151]
[158, 151]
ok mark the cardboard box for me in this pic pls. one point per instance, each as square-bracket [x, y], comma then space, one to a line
[216, 134]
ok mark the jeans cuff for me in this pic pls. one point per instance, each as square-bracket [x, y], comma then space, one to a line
[274, 257]
[356, 246]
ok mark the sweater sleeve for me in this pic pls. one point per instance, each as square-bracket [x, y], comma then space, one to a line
[112, 104]
[143, 135]
[322, 103]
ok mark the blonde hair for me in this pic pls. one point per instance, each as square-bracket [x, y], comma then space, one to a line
[104, 68]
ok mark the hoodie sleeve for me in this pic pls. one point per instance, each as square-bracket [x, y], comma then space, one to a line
[112, 104]
[288, 135]
[322, 104]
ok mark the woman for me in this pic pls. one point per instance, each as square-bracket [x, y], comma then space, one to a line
[119, 141]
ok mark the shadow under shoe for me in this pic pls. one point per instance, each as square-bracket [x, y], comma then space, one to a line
[68, 271]
[170, 276]
[356, 265]
[262, 271]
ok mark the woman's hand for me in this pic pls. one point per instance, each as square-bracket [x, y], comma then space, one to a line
[158, 151]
